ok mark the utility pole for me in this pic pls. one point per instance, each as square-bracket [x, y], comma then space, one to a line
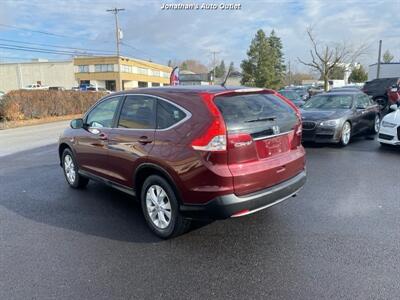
[115, 12]
[378, 69]
[214, 62]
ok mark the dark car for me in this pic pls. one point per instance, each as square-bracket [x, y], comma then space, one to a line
[336, 117]
[189, 153]
[378, 89]
[292, 96]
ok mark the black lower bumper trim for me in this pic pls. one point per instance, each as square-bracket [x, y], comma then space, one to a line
[225, 206]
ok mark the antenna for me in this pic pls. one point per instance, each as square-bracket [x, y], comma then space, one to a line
[226, 77]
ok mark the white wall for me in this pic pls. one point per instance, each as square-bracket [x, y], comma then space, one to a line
[386, 71]
[14, 76]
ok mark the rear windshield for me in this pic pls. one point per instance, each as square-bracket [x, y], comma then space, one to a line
[256, 113]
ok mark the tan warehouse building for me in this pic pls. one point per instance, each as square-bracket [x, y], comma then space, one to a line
[110, 72]
[120, 73]
[14, 76]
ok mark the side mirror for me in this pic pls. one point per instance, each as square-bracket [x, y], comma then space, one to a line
[394, 107]
[76, 124]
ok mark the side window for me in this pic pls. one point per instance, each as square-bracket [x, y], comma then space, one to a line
[103, 114]
[138, 112]
[360, 102]
[168, 114]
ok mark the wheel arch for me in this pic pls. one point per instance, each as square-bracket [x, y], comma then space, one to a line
[145, 170]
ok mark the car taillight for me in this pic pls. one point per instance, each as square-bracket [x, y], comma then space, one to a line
[214, 138]
[296, 141]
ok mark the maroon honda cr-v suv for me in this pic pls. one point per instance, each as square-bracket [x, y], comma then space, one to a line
[189, 152]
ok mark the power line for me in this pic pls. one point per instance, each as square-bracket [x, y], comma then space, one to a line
[49, 50]
[56, 46]
[35, 31]
[26, 49]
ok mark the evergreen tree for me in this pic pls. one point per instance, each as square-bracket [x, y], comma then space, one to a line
[358, 75]
[220, 70]
[279, 62]
[257, 69]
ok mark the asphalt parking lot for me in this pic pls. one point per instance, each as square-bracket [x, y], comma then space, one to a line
[339, 238]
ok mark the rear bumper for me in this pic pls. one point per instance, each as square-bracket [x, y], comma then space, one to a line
[226, 206]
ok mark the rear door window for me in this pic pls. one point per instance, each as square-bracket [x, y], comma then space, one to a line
[256, 114]
[138, 112]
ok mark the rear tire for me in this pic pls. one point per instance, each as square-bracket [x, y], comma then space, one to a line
[160, 208]
[70, 168]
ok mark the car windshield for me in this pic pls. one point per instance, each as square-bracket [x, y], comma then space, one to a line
[329, 102]
[291, 95]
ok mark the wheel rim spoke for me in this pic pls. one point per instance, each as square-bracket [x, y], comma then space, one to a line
[158, 206]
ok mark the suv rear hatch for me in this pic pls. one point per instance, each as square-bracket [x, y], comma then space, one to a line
[263, 140]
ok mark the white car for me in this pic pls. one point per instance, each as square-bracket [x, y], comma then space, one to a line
[389, 132]
[35, 86]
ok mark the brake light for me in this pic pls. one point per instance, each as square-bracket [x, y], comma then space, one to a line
[296, 141]
[214, 138]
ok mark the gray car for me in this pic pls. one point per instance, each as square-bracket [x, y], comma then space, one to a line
[336, 117]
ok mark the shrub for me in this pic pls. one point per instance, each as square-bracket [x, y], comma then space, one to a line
[30, 104]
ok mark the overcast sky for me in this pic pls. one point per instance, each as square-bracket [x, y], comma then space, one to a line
[160, 35]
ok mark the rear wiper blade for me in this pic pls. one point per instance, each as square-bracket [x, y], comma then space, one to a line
[272, 118]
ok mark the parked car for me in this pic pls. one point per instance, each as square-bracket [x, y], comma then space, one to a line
[292, 96]
[303, 92]
[389, 132]
[189, 152]
[345, 89]
[97, 89]
[379, 88]
[56, 88]
[336, 117]
[36, 86]
[394, 94]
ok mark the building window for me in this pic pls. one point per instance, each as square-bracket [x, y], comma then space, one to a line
[126, 69]
[155, 84]
[142, 71]
[142, 84]
[83, 69]
[104, 68]
[155, 73]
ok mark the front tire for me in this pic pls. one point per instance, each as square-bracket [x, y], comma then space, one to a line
[160, 208]
[345, 134]
[71, 174]
[375, 127]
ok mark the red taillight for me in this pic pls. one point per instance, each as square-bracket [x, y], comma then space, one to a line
[296, 141]
[214, 138]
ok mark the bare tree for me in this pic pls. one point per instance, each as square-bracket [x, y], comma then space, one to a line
[325, 57]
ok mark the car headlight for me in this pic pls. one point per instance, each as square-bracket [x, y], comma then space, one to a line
[388, 124]
[329, 123]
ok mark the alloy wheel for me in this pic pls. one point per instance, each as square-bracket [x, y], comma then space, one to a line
[158, 206]
[346, 133]
[69, 168]
[377, 124]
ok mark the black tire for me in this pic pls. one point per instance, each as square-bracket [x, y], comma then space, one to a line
[177, 223]
[79, 181]
[374, 130]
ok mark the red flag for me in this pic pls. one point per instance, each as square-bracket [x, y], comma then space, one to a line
[174, 77]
